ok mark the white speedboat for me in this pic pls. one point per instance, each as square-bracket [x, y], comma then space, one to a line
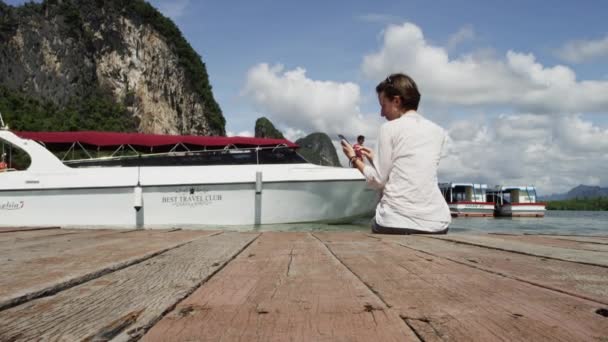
[467, 199]
[182, 181]
[516, 201]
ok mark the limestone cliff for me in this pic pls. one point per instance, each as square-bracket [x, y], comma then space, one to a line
[64, 51]
[265, 129]
[318, 149]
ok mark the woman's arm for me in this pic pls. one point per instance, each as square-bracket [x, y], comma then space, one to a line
[377, 174]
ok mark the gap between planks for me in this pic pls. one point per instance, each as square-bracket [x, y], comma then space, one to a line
[69, 314]
[136, 335]
[370, 288]
[25, 229]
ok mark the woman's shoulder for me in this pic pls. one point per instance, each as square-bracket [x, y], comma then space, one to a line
[431, 124]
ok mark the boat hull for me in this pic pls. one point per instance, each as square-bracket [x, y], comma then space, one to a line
[522, 210]
[224, 188]
[189, 205]
[471, 209]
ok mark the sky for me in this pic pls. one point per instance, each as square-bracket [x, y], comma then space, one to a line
[521, 87]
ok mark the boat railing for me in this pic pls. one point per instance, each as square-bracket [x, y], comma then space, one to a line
[279, 146]
[230, 149]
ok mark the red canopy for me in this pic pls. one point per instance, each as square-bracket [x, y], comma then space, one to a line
[113, 139]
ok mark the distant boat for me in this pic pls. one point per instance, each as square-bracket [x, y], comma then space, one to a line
[516, 201]
[166, 180]
[467, 199]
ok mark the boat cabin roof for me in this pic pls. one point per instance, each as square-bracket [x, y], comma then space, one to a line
[110, 140]
[472, 185]
[516, 187]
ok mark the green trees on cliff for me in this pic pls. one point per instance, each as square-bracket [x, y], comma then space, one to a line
[96, 112]
[265, 129]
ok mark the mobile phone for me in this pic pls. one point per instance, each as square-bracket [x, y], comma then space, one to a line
[343, 138]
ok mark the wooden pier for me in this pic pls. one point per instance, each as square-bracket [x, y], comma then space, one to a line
[180, 285]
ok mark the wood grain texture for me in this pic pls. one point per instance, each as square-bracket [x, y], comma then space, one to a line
[501, 242]
[445, 300]
[8, 238]
[584, 281]
[40, 264]
[594, 246]
[122, 304]
[284, 287]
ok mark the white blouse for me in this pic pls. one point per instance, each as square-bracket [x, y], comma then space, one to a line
[405, 170]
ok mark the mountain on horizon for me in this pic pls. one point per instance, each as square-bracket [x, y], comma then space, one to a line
[581, 191]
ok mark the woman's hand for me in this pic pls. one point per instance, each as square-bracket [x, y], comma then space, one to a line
[348, 150]
[368, 153]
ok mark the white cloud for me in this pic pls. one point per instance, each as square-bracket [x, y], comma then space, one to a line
[579, 51]
[518, 80]
[171, 8]
[545, 145]
[240, 134]
[555, 153]
[290, 99]
[293, 134]
[464, 34]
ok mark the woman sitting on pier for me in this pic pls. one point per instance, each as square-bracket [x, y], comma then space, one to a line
[404, 166]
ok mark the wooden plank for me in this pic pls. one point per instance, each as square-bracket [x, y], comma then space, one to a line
[44, 265]
[584, 281]
[122, 304]
[10, 238]
[41, 241]
[550, 241]
[500, 242]
[603, 238]
[444, 300]
[284, 287]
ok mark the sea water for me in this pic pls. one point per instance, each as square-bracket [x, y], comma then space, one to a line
[554, 222]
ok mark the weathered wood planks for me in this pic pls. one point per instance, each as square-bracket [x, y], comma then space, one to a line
[445, 300]
[39, 264]
[9, 238]
[595, 246]
[498, 242]
[581, 280]
[124, 303]
[284, 287]
[301, 286]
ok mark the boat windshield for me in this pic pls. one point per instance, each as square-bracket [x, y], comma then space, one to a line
[279, 155]
[12, 158]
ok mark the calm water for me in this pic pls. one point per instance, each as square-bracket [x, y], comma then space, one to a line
[555, 222]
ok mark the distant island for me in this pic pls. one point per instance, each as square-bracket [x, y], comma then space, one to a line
[582, 197]
[591, 204]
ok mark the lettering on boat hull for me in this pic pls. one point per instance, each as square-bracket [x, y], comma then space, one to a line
[191, 197]
[11, 205]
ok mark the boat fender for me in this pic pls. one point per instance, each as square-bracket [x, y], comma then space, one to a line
[258, 182]
[138, 194]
